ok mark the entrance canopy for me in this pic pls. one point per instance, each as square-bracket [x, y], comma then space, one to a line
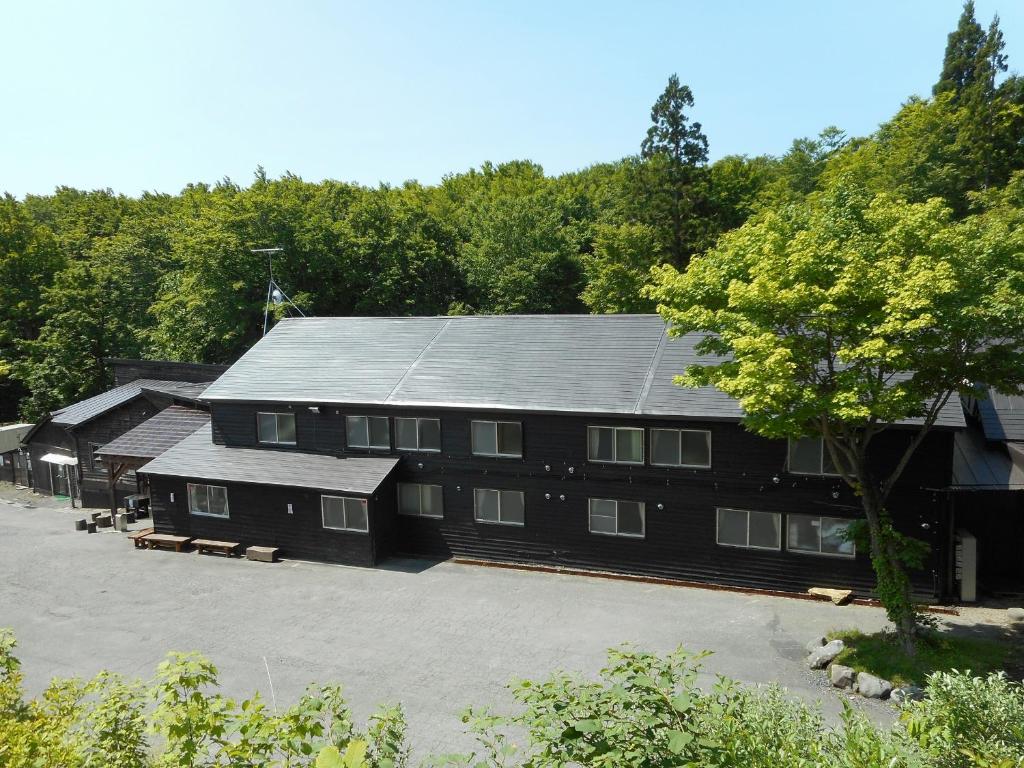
[57, 458]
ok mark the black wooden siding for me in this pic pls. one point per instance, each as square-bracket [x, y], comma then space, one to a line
[259, 516]
[48, 438]
[126, 371]
[101, 431]
[680, 539]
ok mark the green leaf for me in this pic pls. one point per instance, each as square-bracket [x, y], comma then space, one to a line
[678, 741]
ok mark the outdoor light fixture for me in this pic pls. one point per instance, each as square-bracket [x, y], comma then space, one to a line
[314, 409]
[776, 479]
[660, 505]
[547, 495]
[172, 496]
[571, 470]
[561, 497]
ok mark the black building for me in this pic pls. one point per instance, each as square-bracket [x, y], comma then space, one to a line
[63, 448]
[553, 440]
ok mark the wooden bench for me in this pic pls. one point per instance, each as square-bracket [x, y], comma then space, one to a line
[229, 548]
[157, 540]
[262, 554]
[138, 536]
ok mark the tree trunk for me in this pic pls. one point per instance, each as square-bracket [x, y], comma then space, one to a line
[894, 588]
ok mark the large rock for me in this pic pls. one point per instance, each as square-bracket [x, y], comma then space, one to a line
[907, 693]
[842, 677]
[871, 687]
[1015, 614]
[837, 596]
[821, 657]
[815, 644]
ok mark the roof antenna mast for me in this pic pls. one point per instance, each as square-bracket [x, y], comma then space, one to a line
[275, 294]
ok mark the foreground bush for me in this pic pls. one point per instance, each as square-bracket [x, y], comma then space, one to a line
[644, 711]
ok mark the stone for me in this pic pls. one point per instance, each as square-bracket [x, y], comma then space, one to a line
[872, 687]
[262, 554]
[1015, 614]
[815, 644]
[842, 677]
[837, 596]
[822, 657]
[907, 693]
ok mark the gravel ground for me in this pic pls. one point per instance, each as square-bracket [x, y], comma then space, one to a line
[435, 636]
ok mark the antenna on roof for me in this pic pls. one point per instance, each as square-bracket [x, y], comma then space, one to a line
[275, 294]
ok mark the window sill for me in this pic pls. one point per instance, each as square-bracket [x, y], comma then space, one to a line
[500, 522]
[620, 535]
[209, 514]
[347, 530]
[812, 553]
[748, 546]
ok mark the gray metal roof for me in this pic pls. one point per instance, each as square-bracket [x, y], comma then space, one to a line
[157, 434]
[90, 408]
[182, 390]
[197, 457]
[616, 364]
[1002, 416]
[978, 465]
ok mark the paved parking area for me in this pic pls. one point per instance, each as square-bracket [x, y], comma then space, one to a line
[436, 637]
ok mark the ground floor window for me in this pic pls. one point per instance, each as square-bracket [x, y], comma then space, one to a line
[617, 518]
[420, 500]
[819, 535]
[209, 500]
[503, 507]
[749, 529]
[344, 513]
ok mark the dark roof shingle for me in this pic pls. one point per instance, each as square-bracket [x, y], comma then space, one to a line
[156, 435]
[90, 408]
[198, 457]
[614, 364]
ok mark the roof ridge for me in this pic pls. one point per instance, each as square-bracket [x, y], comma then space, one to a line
[419, 357]
[645, 390]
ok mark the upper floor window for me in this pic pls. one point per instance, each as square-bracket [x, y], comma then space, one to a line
[819, 535]
[497, 438]
[622, 445]
[210, 500]
[417, 434]
[681, 448]
[277, 428]
[97, 461]
[368, 432]
[505, 507]
[420, 500]
[746, 528]
[810, 456]
[617, 518]
[344, 513]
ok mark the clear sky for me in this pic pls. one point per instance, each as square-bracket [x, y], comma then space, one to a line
[151, 96]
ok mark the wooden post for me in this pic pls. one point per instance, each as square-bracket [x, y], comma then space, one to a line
[111, 480]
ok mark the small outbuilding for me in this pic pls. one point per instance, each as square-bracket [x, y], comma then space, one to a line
[14, 465]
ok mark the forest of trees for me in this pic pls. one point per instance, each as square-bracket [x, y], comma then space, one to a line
[87, 275]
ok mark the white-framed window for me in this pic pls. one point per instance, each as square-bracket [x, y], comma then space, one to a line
[208, 500]
[817, 535]
[612, 517]
[276, 428]
[417, 434]
[809, 456]
[497, 438]
[748, 529]
[500, 507]
[97, 461]
[681, 448]
[617, 445]
[368, 432]
[420, 500]
[344, 513]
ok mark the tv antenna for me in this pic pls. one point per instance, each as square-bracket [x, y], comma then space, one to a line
[275, 293]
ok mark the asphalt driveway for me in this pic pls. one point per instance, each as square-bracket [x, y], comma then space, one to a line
[436, 637]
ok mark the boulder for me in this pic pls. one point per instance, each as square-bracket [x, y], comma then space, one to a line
[821, 657]
[837, 596]
[907, 693]
[871, 687]
[815, 644]
[842, 677]
[1015, 614]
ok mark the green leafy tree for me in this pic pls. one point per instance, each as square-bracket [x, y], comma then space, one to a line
[619, 268]
[851, 314]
